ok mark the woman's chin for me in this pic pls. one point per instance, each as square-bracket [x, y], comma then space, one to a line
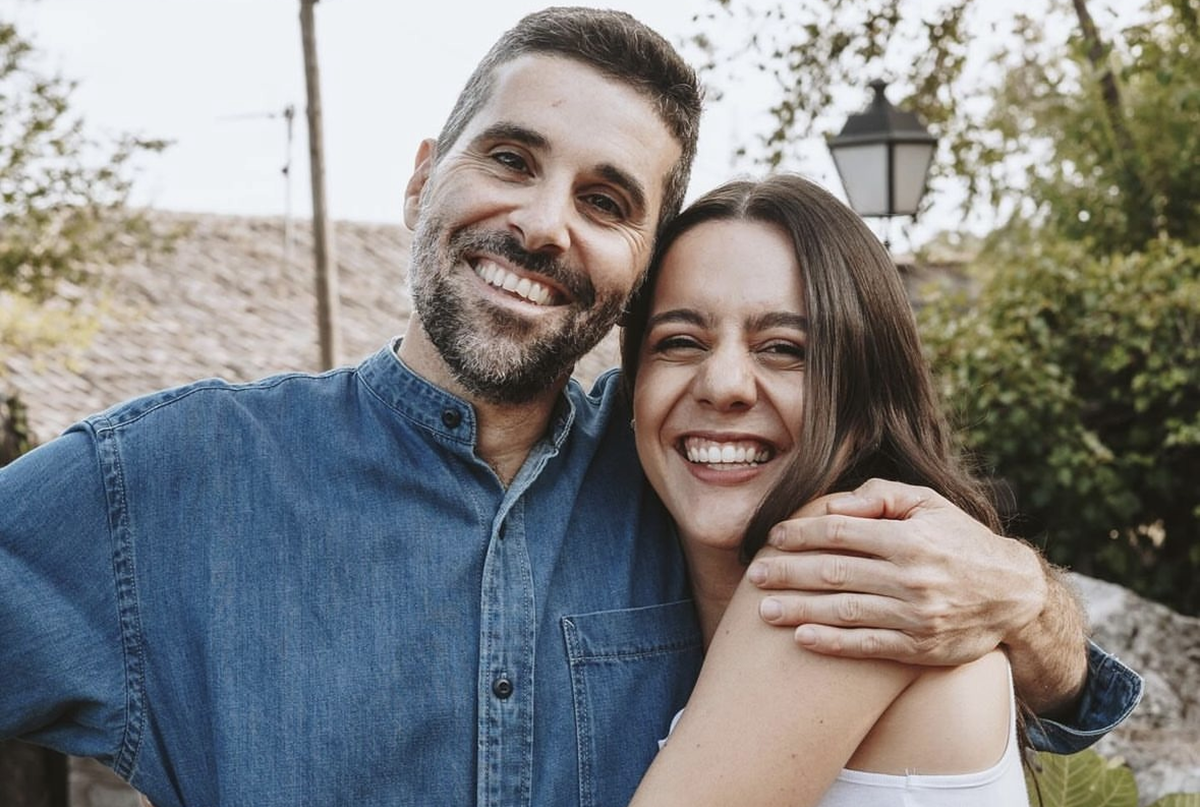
[726, 536]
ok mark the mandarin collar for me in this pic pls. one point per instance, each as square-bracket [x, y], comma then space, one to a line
[436, 409]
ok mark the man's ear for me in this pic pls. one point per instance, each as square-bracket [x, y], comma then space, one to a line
[422, 167]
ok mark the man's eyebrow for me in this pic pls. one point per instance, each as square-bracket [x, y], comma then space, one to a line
[504, 130]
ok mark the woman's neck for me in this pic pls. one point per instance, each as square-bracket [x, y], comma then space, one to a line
[714, 573]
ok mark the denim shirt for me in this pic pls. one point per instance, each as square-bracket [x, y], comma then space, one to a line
[310, 590]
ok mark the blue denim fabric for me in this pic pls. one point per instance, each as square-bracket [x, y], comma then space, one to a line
[1111, 693]
[309, 590]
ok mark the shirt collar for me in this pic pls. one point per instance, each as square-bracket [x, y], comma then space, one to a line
[419, 400]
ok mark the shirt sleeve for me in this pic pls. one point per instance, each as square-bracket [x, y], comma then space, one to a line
[1111, 692]
[62, 658]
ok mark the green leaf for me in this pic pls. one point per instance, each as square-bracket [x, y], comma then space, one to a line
[1178, 800]
[1081, 780]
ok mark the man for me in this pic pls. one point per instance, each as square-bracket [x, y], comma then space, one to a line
[436, 578]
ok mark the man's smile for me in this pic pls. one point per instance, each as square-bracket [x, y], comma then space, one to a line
[526, 288]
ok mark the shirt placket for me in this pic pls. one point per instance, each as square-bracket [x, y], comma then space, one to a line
[506, 660]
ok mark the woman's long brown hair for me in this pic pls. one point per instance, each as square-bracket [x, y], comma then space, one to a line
[870, 406]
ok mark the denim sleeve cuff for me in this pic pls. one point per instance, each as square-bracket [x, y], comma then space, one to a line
[1109, 695]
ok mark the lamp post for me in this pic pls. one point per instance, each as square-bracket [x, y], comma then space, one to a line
[883, 155]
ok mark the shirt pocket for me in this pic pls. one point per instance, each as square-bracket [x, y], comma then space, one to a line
[631, 670]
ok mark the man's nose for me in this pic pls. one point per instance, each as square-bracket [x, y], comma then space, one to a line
[726, 380]
[542, 219]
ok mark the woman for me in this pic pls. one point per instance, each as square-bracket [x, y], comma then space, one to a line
[774, 359]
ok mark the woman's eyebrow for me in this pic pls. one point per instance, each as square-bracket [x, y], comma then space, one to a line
[779, 319]
[686, 316]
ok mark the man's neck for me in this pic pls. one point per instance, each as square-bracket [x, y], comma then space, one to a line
[505, 433]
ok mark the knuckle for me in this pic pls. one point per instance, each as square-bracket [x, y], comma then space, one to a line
[850, 610]
[871, 644]
[835, 571]
[838, 526]
[798, 610]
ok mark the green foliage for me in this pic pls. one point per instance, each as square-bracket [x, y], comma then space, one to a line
[1088, 780]
[1076, 380]
[1122, 135]
[62, 194]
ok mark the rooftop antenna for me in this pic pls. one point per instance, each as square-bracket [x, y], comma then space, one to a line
[288, 113]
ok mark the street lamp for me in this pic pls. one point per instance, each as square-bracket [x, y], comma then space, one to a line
[883, 156]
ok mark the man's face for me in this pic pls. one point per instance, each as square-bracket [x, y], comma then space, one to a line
[532, 231]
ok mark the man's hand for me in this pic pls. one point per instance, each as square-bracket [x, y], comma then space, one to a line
[896, 571]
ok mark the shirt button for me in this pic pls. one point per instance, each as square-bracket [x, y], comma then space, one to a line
[502, 688]
[451, 418]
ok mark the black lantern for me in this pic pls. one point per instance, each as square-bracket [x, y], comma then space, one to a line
[883, 156]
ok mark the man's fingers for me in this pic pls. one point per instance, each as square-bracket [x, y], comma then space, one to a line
[856, 642]
[838, 533]
[828, 571]
[838, 610]
[882, 498]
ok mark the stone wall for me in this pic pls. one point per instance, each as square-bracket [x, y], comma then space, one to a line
[1161, 739]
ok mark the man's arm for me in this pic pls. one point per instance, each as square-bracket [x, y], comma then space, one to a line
[897, 572]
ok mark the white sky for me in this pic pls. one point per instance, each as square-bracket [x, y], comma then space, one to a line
[208, 74]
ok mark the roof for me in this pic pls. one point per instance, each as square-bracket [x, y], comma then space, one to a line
[227, 302]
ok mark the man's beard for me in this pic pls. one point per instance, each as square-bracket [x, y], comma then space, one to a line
[494, 354]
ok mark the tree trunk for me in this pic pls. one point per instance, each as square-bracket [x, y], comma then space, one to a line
[1139, 205]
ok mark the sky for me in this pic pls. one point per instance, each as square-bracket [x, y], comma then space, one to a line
[214, 77]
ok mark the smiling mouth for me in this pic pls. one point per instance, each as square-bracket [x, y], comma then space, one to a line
[531, 291]
[726, 455]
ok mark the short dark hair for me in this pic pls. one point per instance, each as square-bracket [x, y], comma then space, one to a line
[870, 405]
[619, 47]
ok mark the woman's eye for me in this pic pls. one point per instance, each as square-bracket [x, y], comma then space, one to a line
[675, 345]
[790, 352]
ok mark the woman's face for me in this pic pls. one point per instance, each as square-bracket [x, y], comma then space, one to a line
[719, 393]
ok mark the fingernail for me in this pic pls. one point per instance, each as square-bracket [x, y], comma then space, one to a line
[806, 635]
[757, 573]
[775, 537]
[770, 610]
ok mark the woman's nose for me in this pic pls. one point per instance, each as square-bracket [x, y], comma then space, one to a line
[726, 381]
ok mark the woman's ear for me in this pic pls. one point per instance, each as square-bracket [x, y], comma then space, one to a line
[422, 167]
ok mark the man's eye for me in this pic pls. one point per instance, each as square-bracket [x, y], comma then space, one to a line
[605, 204]
[510, 160]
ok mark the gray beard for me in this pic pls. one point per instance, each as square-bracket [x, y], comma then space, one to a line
[496, 356]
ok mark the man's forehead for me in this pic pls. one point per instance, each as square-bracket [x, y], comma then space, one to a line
[543, 86]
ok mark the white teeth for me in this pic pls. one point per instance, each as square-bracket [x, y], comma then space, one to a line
[742, 453]
[501, 278]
